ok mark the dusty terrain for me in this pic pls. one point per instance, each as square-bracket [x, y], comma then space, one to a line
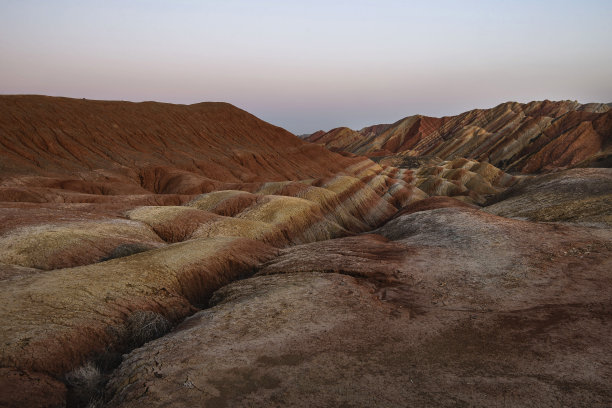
[194, 255]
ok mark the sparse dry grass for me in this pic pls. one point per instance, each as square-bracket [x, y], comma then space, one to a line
[85, 385]
[145, 325]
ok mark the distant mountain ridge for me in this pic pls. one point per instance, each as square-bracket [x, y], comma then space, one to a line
[528, 138]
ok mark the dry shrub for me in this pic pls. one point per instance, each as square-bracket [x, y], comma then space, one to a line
[85, 383]
[145, 325]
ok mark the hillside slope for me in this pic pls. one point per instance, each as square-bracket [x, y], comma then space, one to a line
[124, 147]
[527, 138]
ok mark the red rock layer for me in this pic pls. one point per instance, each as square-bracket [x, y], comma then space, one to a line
[110, 147]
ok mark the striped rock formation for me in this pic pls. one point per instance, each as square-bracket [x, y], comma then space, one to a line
[121, 148]
[527, 138]
[109, 209]
[576, 195]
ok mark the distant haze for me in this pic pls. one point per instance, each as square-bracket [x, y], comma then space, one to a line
[309, 65]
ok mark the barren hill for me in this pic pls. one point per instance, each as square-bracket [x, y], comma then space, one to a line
[159, 147]
[527, 138]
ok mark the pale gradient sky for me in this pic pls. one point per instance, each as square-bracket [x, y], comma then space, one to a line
[309, 65]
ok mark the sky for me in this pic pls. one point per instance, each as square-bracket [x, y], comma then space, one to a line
[310, 65]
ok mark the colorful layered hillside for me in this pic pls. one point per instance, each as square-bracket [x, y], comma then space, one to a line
[527, 138]
[168, 255]
[110, 210]
[576, 195]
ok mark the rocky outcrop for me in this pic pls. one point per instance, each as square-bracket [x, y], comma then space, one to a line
[527, 138]
[462, 178]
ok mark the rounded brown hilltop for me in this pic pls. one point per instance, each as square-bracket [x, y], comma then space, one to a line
[113, 147]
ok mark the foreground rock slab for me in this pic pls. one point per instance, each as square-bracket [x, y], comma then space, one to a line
[445, 307]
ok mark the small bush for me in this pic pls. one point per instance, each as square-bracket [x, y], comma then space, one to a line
[145, 325]
[85, 384]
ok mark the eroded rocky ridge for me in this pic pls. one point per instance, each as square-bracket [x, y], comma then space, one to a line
[528, 138]
[301, 279]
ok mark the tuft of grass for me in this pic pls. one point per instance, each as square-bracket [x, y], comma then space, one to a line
[145, 325]
[85, 383]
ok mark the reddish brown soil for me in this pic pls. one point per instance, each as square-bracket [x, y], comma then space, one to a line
[110, 148]
[20, 389]
[459, 308]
